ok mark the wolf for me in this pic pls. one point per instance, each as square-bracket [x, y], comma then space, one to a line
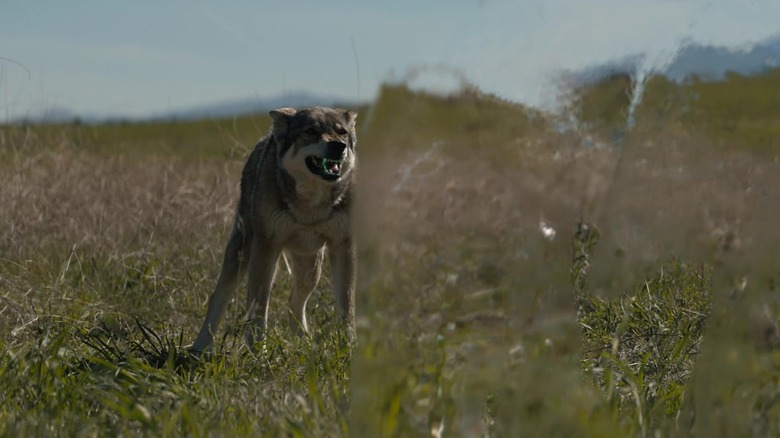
[296, 196]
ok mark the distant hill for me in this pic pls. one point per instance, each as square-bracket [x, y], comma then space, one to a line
[707, 62]
[218, 110]
[53, 114]
[712, 63]
[253, 105]
[736, 110]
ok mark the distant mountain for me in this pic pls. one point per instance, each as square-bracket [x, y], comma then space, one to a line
[52, 114]
[228, 108]
[240, 107]
[709, 63]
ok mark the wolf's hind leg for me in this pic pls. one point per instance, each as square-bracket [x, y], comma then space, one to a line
[233, 269]
[306, 270]
[343, 269]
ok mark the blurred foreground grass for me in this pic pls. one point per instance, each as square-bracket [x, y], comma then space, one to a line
[483, 304]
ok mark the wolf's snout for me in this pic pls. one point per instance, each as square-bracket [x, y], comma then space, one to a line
[336, 148]
[328, 167]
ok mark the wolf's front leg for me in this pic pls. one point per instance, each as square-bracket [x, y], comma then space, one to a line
[343, 265]
[306, 269]
[262, 268]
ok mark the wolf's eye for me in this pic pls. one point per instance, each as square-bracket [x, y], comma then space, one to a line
[311, 131]
[341, 131]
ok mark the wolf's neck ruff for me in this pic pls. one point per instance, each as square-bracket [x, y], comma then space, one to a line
[310, 201]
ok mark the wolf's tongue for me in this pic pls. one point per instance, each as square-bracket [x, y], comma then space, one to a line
[334, 168]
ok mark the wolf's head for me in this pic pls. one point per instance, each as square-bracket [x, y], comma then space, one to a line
[315, 142]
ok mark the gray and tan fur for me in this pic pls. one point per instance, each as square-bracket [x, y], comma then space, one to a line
[296, 191]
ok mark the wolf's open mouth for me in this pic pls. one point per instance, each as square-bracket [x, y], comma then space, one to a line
[327, 168]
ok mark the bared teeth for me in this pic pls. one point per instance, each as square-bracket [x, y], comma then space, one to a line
[331, 167]
[325, 167]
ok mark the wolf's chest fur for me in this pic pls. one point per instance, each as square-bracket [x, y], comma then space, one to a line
[297, 237]
[305, 242]
[311, 195]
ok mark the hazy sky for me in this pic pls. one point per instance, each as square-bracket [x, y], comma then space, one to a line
[136, 58]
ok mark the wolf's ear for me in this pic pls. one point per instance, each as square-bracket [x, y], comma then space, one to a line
[350, 116]
[281, 117]
[280, 114]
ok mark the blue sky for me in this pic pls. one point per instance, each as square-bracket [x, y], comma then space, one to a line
[137, 58]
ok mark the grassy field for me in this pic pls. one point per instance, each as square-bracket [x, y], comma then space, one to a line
[516, 278]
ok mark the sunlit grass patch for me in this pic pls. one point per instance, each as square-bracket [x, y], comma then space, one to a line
[641, 347]
[124, 377]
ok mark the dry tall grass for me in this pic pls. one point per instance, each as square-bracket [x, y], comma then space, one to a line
[68, 213]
